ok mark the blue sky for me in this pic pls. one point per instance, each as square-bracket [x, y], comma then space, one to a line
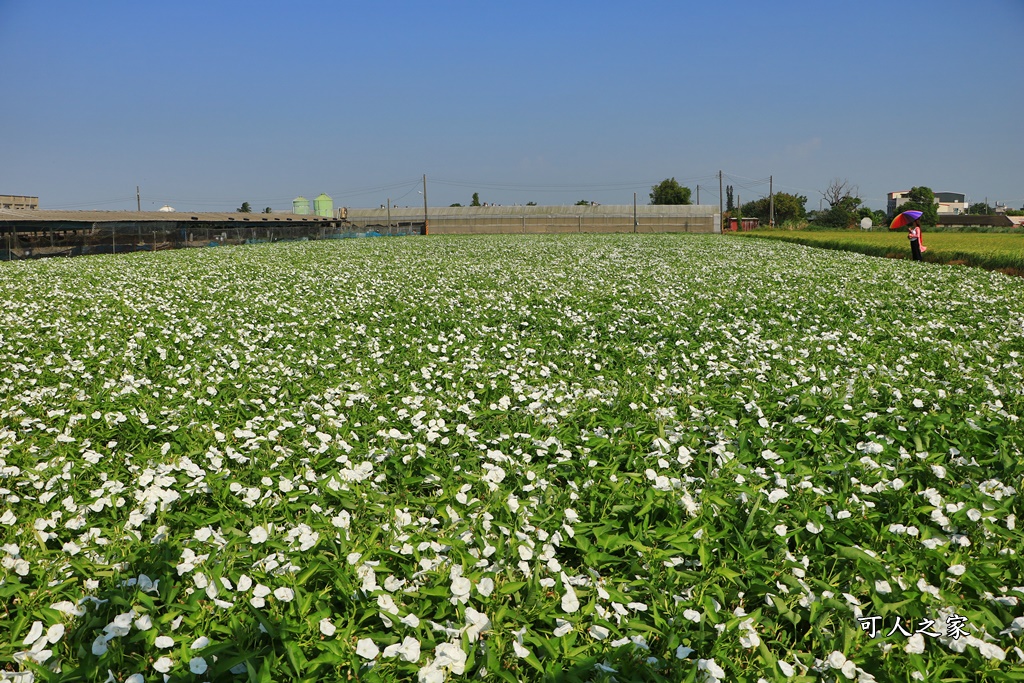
[208, 104]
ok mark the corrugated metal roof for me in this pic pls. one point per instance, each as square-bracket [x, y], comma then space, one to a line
[602, 210]
[40, 215]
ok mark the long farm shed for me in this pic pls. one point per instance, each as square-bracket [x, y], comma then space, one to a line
[546, 219]
[41, 233]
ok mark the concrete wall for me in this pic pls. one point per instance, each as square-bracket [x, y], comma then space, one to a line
[548, 219]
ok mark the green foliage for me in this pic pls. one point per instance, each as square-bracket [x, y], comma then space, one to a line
[878, 218]
[531, 203]
[244, 208]
[922, 199]
[669, 191]
[476, 199]
[980, 209]
[984, 249]
[788, 207]
[268, 210]
[584, 202]
[455, 204]
[550, 457]
[730, 202]
[842, 214]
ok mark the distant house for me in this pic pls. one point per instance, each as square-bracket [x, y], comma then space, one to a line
[17, 201]
[950, 203]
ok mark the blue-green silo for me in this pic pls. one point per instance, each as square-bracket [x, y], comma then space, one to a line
[323, 205]
[300, 206]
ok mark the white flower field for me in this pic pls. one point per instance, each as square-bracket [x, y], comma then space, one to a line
[572, 458]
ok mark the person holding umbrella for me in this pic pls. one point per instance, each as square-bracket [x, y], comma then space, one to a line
[916, 245]
[913, 220]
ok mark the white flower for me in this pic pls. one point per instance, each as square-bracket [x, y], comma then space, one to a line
[749, 638]
[786, 668]
[257, 534]
[776, 495]
[327, 628]
[55, 633]
[367, 649]
[461, 586]
[199, 643]
[99, 645]
[692, 615]
[163, 665]
[197, 665]
[570, 603]
[284, 594]
[711, 667]
[451, 657]
[485, 587]
[408, 650]
[410, 620]
[164, 642]
[915, 644]
[33, 633]
[520, 651]
[957, 570]
[563, 628]
[991, 651]
[882, 587]
[682, 652]
[598, 632]
[476, 623]
[780, 529]
[135, 678]
[814, 528]
[836, 659]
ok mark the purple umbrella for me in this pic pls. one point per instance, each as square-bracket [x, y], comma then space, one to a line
[904, 218]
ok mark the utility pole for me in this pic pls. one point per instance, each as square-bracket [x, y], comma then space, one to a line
[771, 203]
[698, 194]
[721, 207]
[389, 215]
[138, 200]
[634, 212]
[426, 218]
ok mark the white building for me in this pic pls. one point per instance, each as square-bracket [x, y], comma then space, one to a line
[950, 203]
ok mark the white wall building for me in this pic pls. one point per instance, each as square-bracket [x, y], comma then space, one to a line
[950, 203]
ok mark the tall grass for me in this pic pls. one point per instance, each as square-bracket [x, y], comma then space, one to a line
[993, 251]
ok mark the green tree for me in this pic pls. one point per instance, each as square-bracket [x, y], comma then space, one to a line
[244, 208]
[669, 191]
[922, 199]
[476, 199]
[531, 203]
[730, 203]
[268, 210]
[843, 203]
[584, 202]
[878, 218]
[455, 204]
[981, 208]
[788, 207]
